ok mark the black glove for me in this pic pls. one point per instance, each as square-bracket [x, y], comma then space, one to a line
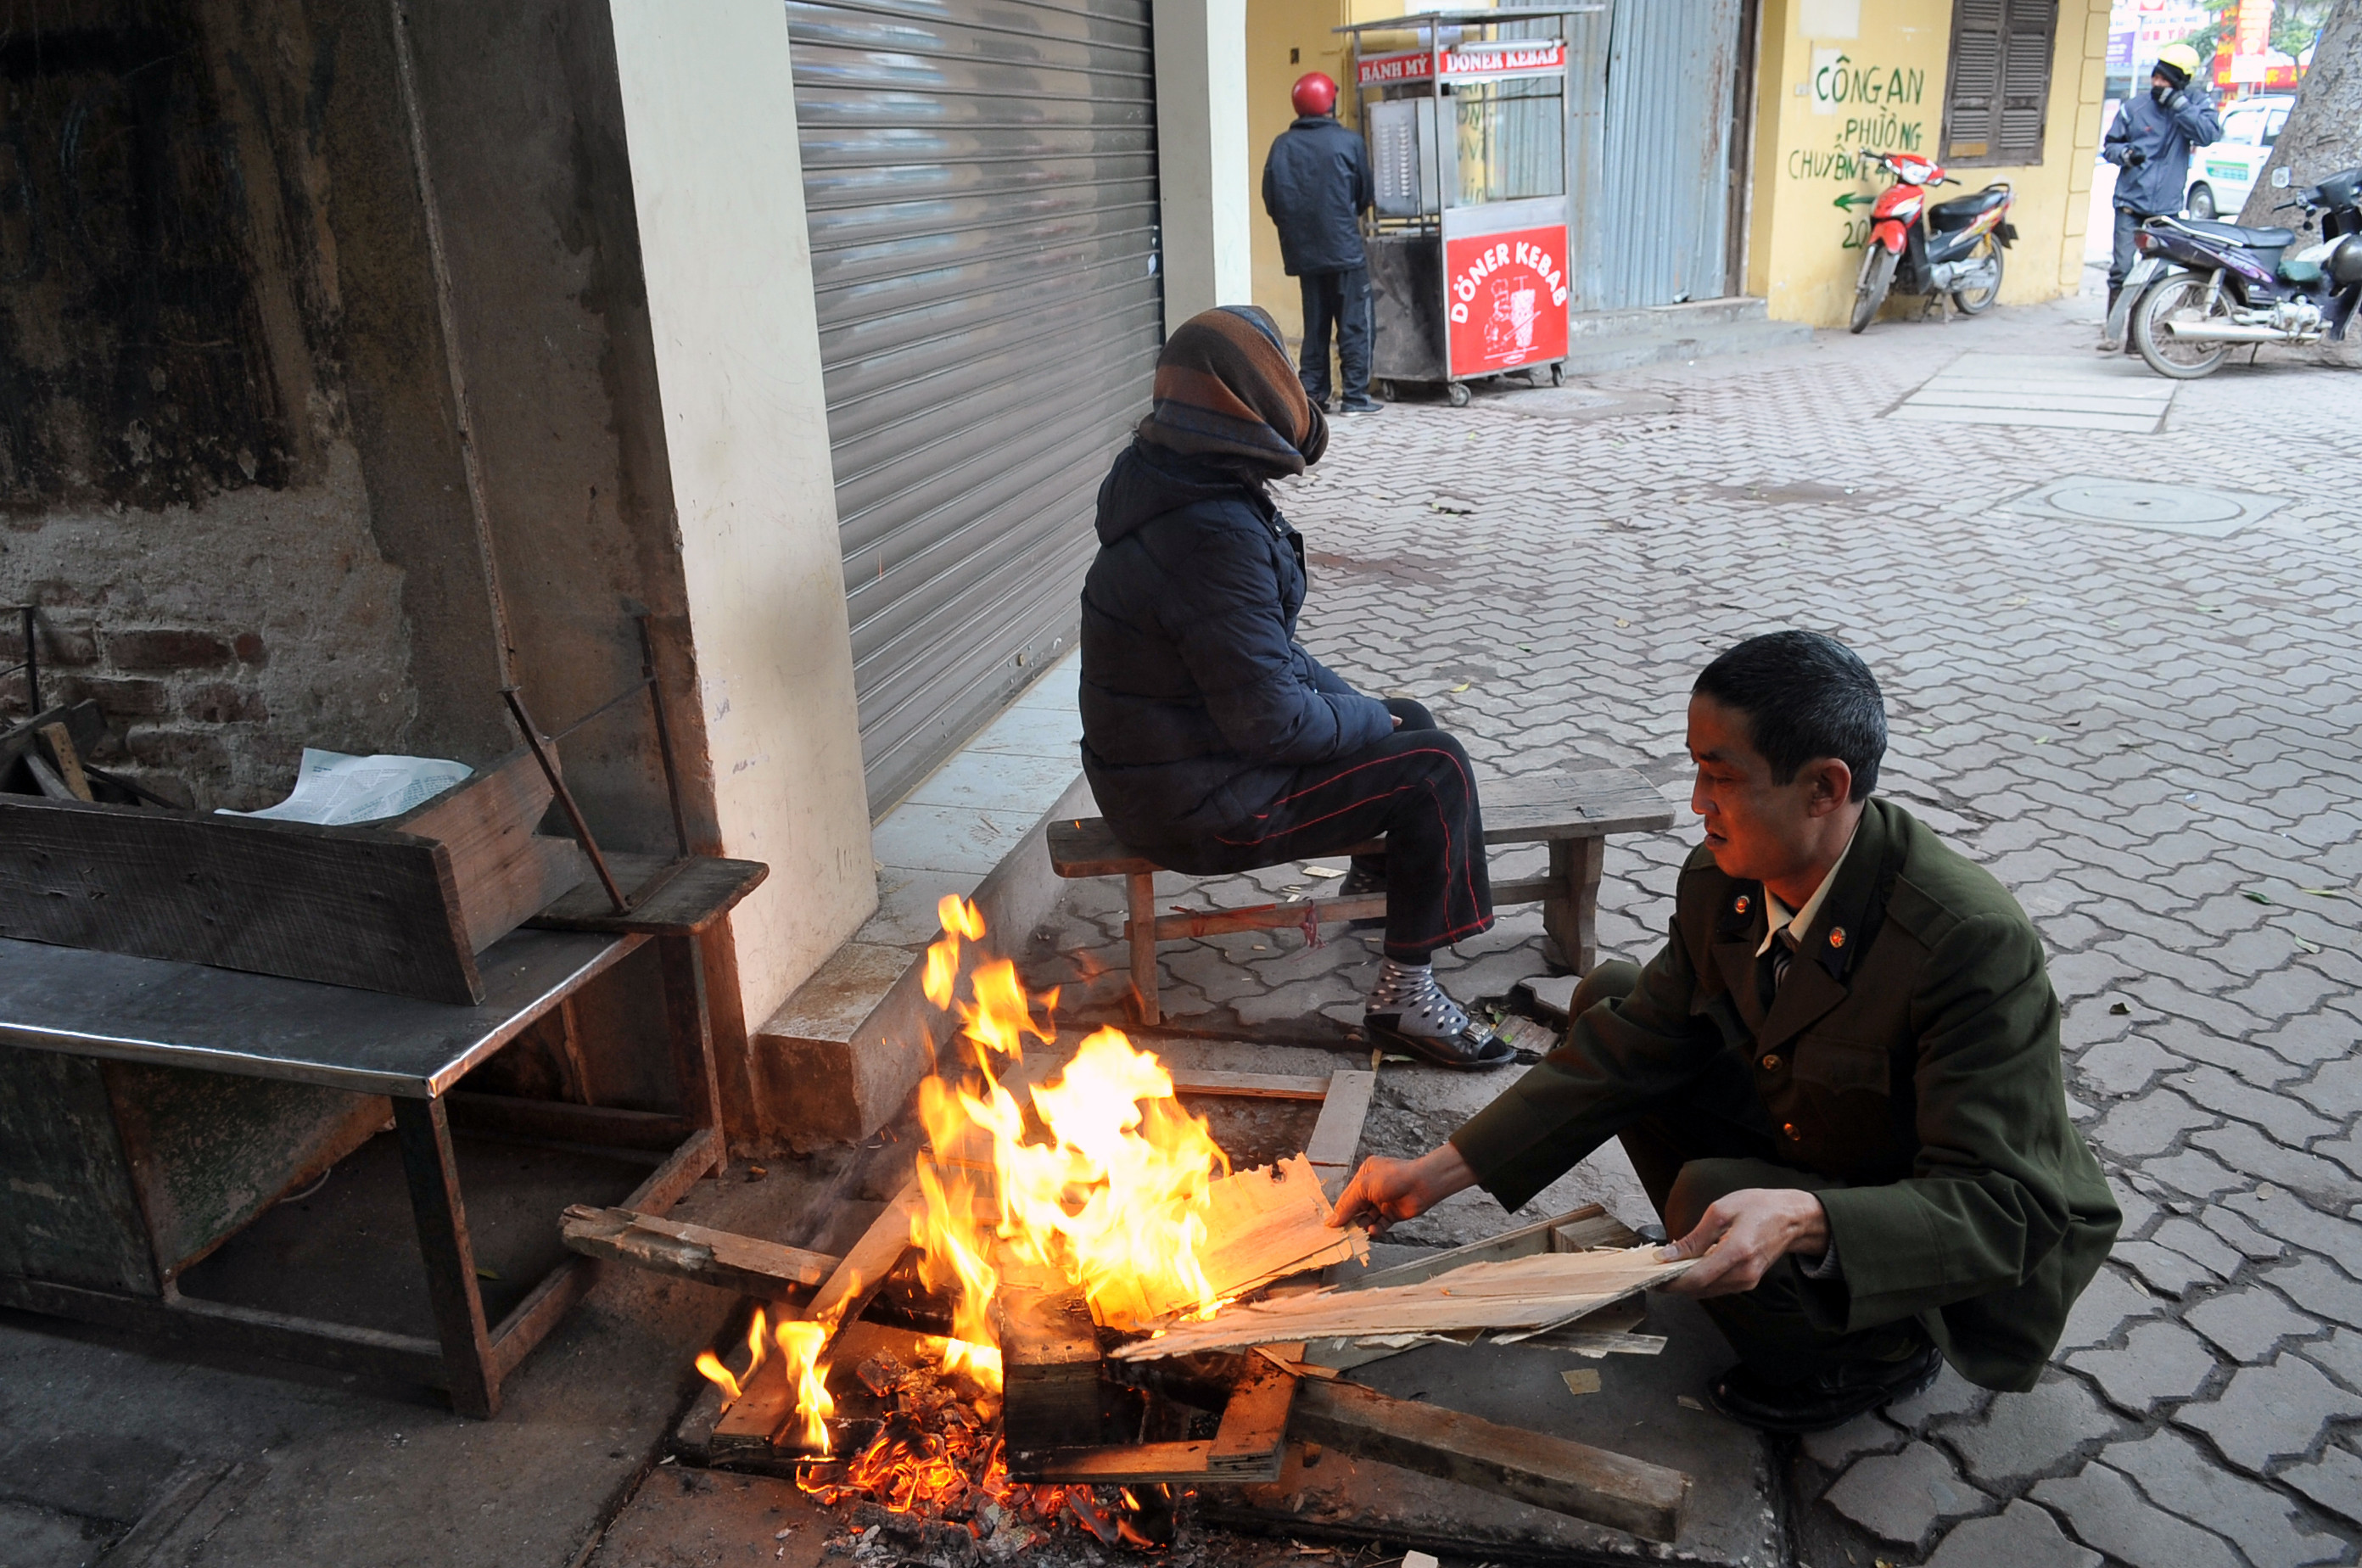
[2173, 103]
[2135, 157]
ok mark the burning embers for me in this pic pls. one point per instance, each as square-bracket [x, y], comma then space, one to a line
[938, 1455]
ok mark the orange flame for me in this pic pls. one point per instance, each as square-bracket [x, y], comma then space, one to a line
[735, 1387]
[959, 920]
[800, 1343]
[1112, 1199]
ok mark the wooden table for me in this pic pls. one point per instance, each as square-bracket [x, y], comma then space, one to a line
[86, 1005]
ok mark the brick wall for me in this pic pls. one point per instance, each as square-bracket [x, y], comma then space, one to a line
[220, 640]
[184, 705]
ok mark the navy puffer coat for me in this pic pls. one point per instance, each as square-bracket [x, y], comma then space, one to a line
[1197, 705]
[1316, 186]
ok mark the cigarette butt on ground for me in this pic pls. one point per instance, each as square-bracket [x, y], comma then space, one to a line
[1581, 1380]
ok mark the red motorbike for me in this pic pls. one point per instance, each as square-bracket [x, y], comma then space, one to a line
[1953, 247]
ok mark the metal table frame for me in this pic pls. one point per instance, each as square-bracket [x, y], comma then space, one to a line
[417, 1052]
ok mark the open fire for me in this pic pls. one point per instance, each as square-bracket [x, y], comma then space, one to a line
[1098, 1180]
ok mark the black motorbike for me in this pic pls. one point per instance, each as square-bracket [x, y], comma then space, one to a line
[2200, 290]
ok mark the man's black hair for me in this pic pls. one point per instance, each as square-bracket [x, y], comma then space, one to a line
[1806, 696]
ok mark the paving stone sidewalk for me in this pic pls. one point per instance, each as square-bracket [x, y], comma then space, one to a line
[2150, 737]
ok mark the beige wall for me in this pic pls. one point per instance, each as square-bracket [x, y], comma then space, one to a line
[1803, 252]
[1202, 154]
[717, 177]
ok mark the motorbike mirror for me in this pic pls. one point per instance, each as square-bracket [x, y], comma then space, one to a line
[2279, 179]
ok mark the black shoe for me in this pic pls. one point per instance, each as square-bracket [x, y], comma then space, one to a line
[1825, 1399]
[1359, 884]
[1360, 405]
[1474, 1049]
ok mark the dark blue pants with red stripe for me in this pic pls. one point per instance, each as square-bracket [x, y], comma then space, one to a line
[1415, 789]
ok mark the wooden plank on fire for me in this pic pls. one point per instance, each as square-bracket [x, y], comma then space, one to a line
[1131, 1464]
[1538, 1292]
[1050, 1364]
[865, 1266]
[764, 1270]
[1337, 1135]
[750, 1424]
[1265, 1224]
[1548, 1471]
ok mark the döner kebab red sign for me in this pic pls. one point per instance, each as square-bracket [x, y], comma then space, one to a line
[1466, 63]
[1505, 299]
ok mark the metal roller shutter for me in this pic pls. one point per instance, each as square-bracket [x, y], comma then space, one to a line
[980, 177]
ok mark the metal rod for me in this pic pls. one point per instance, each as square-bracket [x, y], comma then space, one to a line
[32, 663]
[664, 733]
[153, 799]
[565, 798]
[626, 695]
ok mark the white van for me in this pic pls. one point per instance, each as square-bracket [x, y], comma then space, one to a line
[2222, 175]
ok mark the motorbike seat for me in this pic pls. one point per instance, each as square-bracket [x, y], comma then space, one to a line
[2254, 238]
[1962, 211]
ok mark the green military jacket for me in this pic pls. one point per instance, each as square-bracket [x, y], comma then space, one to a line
[1912, 1053]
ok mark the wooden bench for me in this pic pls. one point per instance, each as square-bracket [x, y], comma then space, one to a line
[1571, 813]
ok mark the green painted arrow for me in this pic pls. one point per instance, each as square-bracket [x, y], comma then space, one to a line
[1851, 200]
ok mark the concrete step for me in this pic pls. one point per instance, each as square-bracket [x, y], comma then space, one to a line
[841, 1054]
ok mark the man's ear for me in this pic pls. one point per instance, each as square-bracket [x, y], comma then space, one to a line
[1832, 786]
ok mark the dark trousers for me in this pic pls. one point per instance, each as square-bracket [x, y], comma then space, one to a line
[1339, 300]
[1415, 789]
[1685, 1161]
[2121, 259]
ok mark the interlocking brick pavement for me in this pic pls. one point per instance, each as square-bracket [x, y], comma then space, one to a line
[2152, 739]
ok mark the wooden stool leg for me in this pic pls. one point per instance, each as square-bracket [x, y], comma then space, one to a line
[1571, 915]
[1139, 895]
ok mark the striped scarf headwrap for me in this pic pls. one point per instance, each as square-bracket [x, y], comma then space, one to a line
[1225, 391]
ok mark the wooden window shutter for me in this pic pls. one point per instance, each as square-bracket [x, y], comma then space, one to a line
[1998, 88]
[2025, 80]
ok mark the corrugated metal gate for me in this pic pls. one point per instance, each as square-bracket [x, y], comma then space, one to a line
[980, 177]
[1651, 90]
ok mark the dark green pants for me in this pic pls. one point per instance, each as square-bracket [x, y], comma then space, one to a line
[1785, 1328]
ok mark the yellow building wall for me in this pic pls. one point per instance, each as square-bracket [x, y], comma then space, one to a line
[1284, 39]
[1803, 249]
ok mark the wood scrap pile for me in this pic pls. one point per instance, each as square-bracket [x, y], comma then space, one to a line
[1526, 1296]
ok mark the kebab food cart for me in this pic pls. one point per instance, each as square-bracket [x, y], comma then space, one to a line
[1467, 135]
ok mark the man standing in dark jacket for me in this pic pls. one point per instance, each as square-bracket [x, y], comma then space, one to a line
[1213, 742]
[2149, 144]
[1316, 186]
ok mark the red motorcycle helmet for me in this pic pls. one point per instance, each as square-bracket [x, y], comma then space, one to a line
[1313, 93]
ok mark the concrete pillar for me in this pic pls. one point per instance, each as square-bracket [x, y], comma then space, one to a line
[718, 181]
[1202, 164]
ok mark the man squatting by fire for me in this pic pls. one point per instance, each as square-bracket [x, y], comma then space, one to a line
[1838, 1079]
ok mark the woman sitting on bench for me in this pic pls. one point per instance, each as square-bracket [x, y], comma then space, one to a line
[1214, 743]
